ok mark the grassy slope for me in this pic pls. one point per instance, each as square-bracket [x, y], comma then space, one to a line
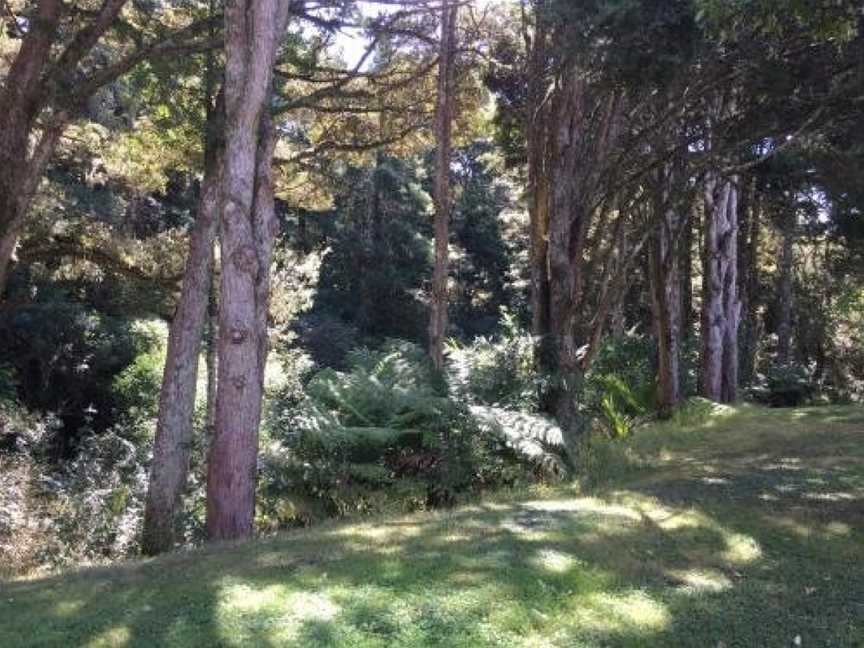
[745, 531]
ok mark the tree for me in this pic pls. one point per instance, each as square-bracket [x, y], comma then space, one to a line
[441, 192]
[253, 31]
[42, 93]
[173, 441]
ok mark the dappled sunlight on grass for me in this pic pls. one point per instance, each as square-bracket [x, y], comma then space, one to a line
[554, 561]
[700, 580]
[68, 608]
[681, 553]
[119, 635]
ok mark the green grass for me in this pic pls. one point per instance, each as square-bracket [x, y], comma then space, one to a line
[744, 528]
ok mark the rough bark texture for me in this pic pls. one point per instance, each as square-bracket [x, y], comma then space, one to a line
[584, 131]
[170, 468]
[665, 284]
[537, 134]
[785, 293]
[248, 228]
[685, 265]
[442, 196]
[721, 308]
[750, 226]
[568, 227]
[211, 353]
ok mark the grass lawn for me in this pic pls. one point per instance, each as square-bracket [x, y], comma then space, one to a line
[746, 529]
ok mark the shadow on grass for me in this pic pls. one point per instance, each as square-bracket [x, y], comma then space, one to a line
[749, 552]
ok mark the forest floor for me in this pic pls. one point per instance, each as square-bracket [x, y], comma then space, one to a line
[743, 529]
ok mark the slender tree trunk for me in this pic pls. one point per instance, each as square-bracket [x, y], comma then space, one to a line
[721, 308]
[785, 295]
[170, 468]
[537, 133]
[211, 353]
[18, 185]
[443, 199]
[568, 226]
[749, 281]
[686, 267]
[665, 286]
[247, 250]
[253, 29]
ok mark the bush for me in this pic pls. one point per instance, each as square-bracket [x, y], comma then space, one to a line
[784, 385]
[99, 499]
[381, 435]
[620, 388]
[135, 390]
[25, 538]
[88, 510]
[499, 372]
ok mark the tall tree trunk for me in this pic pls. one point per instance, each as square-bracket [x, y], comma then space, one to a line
[211, 352]
[686, 268]
[721, 308]
[665, 285]
[170, 468]
[247, 251]
[537, 134]
[749, 280]
[253, 29]
[568, 227]
[442, 196]
[785, 296]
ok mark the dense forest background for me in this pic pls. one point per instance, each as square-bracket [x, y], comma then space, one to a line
[502, 235]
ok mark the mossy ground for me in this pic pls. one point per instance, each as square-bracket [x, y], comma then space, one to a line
[745, 528]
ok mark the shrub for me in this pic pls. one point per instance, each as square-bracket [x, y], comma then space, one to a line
[619, 390]
[381, 435]
[88, 510]
[500, 372]
[25, 537]
[135, 390]
[97, 499]
[784, 385]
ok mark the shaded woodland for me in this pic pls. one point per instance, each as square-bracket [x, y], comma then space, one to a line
[269, 262]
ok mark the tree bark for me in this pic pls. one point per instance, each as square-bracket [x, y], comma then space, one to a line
[686, 268]
[785, 293]
[584, 131]
[211, 352]
[750, 229]
[537, 135]
[665, 283]
[721, 307]
[441, 191]
[170, 468]
[248, 230]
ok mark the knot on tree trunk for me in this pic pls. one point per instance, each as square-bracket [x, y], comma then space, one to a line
[245, 259]
[238, 334]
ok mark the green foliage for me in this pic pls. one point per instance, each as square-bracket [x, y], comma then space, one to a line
[136, 388]
[379, 239]
[379, 435]
[500, 372]
[8, 384]
[784, 385]
[89, 508]
[620, 388]
[66, 357]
